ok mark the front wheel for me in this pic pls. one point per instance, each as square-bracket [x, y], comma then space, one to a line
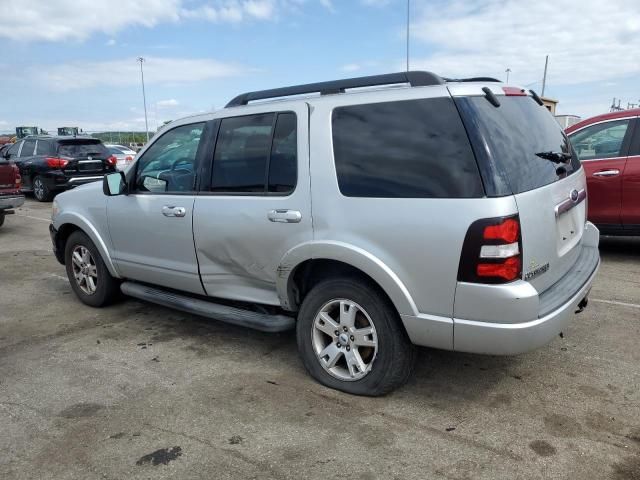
[89, 277]
[350, 338]
[2, 215]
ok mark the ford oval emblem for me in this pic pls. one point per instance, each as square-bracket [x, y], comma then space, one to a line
[573, 195]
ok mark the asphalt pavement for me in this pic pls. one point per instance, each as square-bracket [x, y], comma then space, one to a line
[139, 391]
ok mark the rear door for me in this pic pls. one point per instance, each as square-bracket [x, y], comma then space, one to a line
[603, 148]
[523, 151]
[631, 183]
[151, 227]
[255, 205]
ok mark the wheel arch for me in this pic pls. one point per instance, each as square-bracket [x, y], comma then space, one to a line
[69, 223]
[337, 258]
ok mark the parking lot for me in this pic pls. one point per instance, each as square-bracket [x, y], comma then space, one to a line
[140, 391]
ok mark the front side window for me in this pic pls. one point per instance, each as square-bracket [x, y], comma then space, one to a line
[28, 148]
[169, 165]
[604, 140]
[256, 154]
[404, 149]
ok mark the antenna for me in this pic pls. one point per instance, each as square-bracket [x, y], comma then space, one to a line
[544, 78]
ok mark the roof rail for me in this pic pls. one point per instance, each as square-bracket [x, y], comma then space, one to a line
[415, 79]
[472, 79]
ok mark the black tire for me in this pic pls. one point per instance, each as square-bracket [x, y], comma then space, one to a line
[392, 365]
[2, 216]
[107, 288]
[40, 190]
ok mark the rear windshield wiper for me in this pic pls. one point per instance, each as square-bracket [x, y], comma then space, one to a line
[555, 157]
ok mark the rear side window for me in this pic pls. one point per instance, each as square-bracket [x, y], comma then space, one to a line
[43, 148]
[256, 154]
[509, 139]
[82, 149]
[404, 149]
[28, 148]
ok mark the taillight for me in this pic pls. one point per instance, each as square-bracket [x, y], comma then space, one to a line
[17, 177]
[492, 251]
[112, 160]
[128, 159]
[55, 162]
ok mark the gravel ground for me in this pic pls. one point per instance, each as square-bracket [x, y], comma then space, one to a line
[139, 391]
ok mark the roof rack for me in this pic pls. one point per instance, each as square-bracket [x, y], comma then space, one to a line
[415, 79]
[472, 79]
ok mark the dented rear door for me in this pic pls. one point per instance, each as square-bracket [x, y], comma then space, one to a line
[254, 204]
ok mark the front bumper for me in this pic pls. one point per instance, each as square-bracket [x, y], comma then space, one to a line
[11, 201]
[57, 251]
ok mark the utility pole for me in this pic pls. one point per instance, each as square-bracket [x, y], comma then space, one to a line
[144, 98]
[507, 71]
[408, 29]
[544, 78]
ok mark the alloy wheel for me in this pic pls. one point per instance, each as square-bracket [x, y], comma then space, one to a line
[85, 271]
[38, 189]
[344, 339]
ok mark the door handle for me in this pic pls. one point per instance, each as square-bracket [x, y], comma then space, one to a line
[607, 173]
[284, 216]
[170, 211]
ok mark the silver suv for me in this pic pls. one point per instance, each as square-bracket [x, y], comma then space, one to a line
[370, 214]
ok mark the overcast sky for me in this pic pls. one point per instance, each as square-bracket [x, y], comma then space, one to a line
[73, 62]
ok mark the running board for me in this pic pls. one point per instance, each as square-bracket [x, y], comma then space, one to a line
[237, 316]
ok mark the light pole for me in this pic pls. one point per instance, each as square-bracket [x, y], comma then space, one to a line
[508, 71]
[408, 28]
[144, 98]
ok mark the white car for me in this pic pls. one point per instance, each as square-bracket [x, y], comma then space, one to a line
[124, 155]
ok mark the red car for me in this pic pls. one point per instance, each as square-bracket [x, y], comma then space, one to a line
[10, 195]
[608, 146]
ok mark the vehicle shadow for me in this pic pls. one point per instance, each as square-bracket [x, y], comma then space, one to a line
[440, 377]
[619, 247]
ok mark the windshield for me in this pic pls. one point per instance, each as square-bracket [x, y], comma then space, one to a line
[83, 148]
[519, 145]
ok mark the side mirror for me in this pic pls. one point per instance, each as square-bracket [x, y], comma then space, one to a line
[114, 184]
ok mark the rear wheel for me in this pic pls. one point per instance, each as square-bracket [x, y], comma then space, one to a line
[89, 277]
[350, 338]
[40, 190]
[2, 215]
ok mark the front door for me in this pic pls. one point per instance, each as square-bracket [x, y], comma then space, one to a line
[151, 227]
[602, 149]
[256, 205]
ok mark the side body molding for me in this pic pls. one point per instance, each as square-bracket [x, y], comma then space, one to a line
[66, 218]
[351, 255]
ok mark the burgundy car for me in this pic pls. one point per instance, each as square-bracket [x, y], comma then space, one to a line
[10, 182]
[608, 146]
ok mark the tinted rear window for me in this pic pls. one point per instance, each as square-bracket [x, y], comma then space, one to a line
[404, 149]
[506, 140]
[82, 148]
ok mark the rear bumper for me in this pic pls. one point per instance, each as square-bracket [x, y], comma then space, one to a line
[58, 180]
[12, 201]
[513, 338]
